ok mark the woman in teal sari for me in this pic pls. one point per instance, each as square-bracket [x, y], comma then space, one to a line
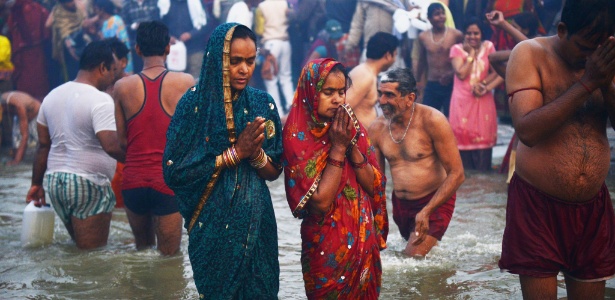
[223, 142]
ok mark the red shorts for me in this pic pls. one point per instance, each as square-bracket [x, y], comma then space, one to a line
[545, 235]
[404, 213]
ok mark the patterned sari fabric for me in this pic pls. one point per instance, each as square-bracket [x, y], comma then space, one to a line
[233, 243]
[340, 254]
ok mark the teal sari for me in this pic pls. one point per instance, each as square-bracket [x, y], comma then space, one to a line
[233, 242]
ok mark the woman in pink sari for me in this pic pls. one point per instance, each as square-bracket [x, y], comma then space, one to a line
[472, 111]
[334, 184]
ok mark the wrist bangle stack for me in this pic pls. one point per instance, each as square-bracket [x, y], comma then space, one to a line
[260, 161]
[360, 165]
[335, 162]
[230, 157]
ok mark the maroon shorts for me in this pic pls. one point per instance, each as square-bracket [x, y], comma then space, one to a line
[404, 213]
[545, 235]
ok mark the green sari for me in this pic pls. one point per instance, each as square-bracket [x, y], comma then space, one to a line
[233, 242]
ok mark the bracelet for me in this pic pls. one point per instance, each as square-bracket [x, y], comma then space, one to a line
[230, 157]
[360, 165]
[586, 88]
[336, 163]
[260, 161]
[470, 59]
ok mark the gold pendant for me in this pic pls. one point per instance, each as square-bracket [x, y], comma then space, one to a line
[269, 129]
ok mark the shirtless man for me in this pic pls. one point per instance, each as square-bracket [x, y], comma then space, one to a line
[142, 120]
[435, 45]
[25, 107]
[362, 95]
[419, 145]
[559, 216]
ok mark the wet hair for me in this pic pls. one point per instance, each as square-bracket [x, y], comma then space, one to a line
[433, 8]
[527, 20]
[380, 44]
[118, 47]
[474, 21]
[592, 17]
[403, 76]
[105, 5]
[153, 38]
[96, 53]
[242, 32]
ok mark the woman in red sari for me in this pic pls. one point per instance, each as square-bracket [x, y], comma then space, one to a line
[334, 183]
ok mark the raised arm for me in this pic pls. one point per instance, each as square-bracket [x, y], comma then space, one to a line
[498, 61]
[535, 121]
[496, 18]
[340, 136]
[463, 65]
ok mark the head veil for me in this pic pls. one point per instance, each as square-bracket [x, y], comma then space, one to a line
[306, 148]
[206, 122]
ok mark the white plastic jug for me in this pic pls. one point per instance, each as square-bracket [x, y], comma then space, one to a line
[177, 58]
[37, 225]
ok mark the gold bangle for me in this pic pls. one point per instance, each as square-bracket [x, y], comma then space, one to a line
[260, 161]
[470, 59]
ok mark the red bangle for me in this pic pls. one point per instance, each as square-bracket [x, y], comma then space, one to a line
[360, 165]
[586, 88]
[335, 162]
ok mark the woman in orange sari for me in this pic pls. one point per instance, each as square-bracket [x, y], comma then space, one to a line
[334, 183]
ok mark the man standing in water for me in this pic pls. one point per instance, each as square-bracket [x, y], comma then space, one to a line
[223, 142]
[426, 167]
[362, 95]
[144, 105]
[559, 216]
[77, 133]
[434, 59]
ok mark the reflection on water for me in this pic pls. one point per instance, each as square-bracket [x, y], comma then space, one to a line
[463, 266]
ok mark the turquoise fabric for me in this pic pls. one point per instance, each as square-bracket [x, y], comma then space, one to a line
[233, 246]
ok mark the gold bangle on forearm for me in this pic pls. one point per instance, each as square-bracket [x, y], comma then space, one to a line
[260, 161]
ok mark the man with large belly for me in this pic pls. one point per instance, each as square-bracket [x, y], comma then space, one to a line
[559, 215]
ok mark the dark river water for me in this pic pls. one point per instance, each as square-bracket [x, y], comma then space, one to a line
[462, 266]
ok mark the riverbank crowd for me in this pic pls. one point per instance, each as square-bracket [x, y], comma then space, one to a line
[179, 111]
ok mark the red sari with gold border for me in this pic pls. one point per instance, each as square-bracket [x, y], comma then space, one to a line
[340, 255]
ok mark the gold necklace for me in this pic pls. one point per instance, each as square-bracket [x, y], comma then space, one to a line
[443, 36]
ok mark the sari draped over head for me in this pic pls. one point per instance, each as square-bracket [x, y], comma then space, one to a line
[233, 243]
[341, 250]
[65, 22]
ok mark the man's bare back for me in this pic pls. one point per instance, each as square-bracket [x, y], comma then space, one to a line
[362, 95]
[20, 100]
[435, 48]
[130, 91]
[572, 161]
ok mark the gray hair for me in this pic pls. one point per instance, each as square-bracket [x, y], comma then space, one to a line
[403, 76]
